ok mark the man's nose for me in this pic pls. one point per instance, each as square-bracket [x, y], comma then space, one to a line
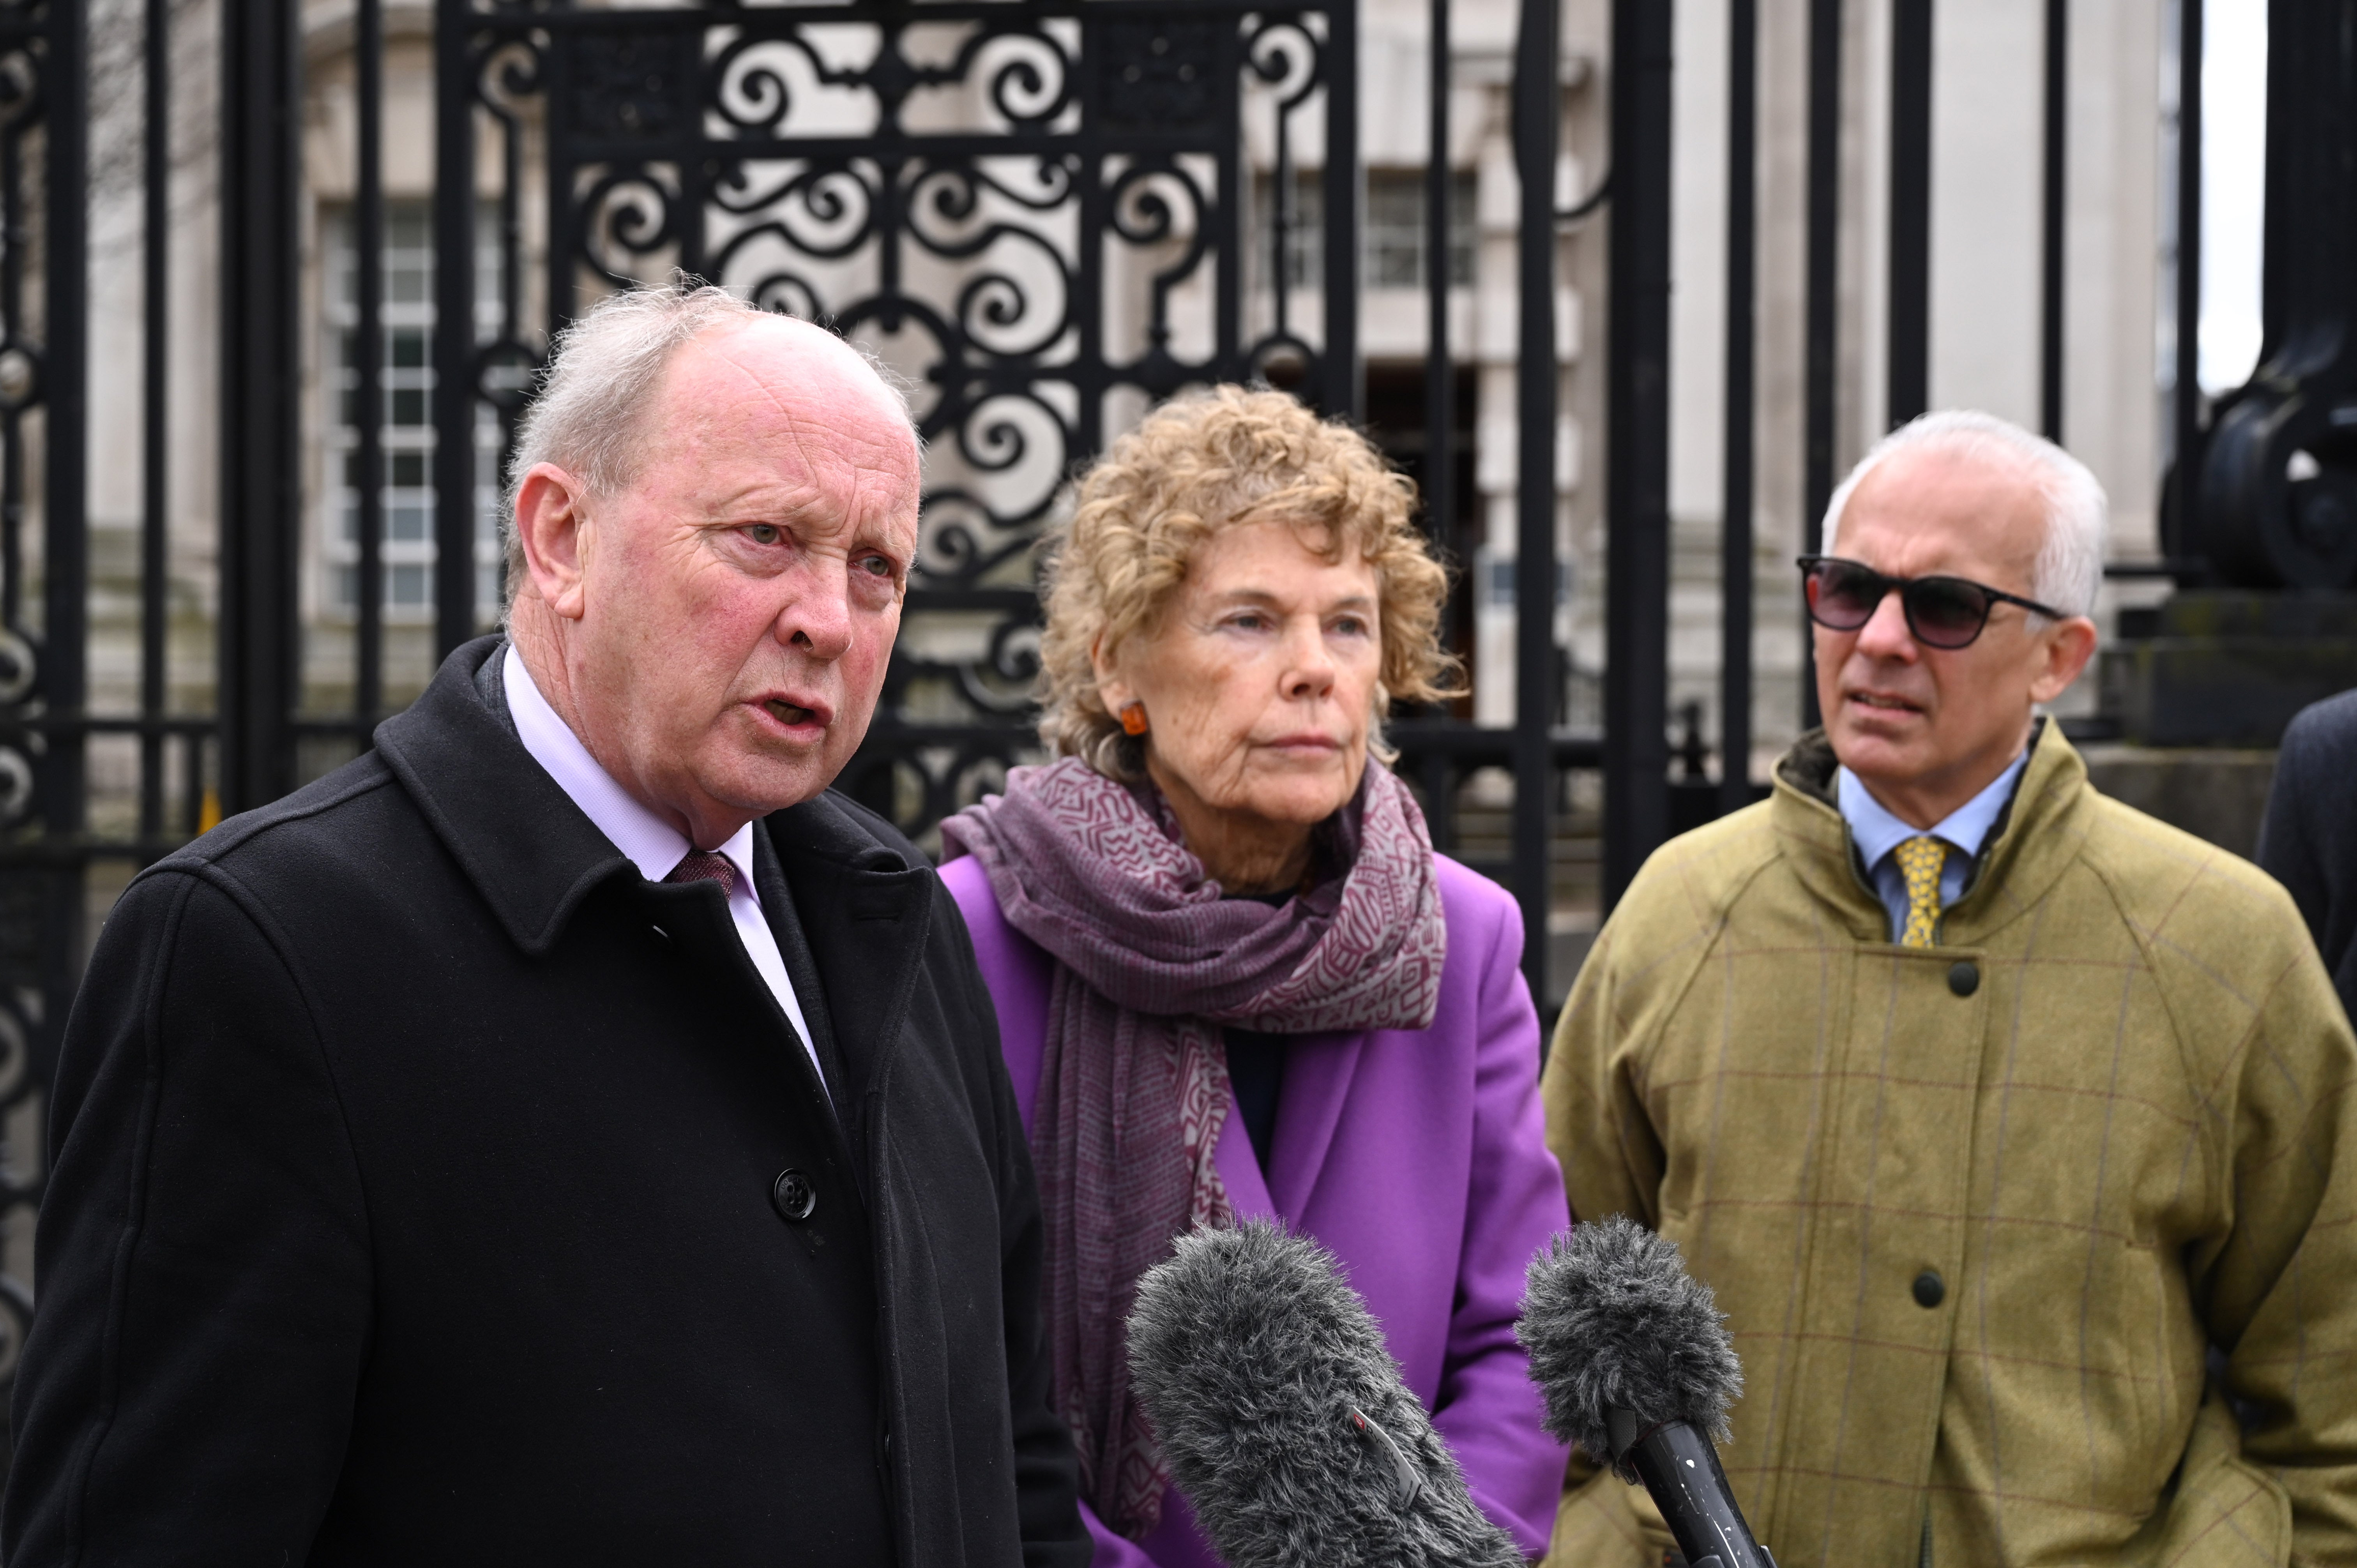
[1885, 634]
[817, 618]
[1309, 663]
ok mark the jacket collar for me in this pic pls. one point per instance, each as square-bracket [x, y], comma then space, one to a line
[2032, 842]
[861, 893]
[528, 849]
[2035, 841]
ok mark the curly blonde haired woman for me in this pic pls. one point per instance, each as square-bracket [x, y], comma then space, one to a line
[1231, 976]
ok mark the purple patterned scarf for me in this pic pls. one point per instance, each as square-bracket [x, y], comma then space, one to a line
[1150, 962]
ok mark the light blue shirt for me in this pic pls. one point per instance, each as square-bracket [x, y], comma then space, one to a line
[1876, 832]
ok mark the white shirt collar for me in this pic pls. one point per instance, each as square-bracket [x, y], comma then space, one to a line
[1876, 832]
[653, 845]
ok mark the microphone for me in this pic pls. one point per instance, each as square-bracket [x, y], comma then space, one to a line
[1282, 1416]
[1632, 1356]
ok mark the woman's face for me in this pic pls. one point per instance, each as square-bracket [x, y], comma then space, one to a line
[1259, 680]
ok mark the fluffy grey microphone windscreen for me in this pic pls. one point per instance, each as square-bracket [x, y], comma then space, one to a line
[1613, 1320]
[1283, 1418]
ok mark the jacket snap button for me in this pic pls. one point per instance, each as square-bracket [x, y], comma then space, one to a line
[1930, 1289]
[1964, 978]
[794, 1196]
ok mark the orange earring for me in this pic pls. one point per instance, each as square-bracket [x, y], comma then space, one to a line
[1132, 719]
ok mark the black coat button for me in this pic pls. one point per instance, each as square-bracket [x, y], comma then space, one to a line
[1930, 1289]
[794, 1195]
[1964, 978]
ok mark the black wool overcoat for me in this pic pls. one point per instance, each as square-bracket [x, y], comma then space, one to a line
[416, 1200]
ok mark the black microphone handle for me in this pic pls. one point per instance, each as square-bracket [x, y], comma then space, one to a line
[1680, 1469]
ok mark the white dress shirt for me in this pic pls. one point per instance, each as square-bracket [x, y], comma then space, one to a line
[653, 845]
[1876, 832]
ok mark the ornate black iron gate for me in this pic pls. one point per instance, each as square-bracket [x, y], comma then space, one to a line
[1047, 215]
[1034, 211]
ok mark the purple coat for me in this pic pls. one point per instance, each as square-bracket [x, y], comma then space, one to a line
[1418, 1157]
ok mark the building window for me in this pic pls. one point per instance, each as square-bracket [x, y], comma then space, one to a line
[407, 434]
[1305, 240]
[1392, 237]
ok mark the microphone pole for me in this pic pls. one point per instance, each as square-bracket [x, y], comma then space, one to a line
[1679, 1469]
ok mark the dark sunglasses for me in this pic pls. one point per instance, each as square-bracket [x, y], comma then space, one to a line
[1942, 612]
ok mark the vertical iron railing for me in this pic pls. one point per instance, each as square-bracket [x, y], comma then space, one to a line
[2053, 219]
[155, 412]
[45, 727]
[1439, 361]
[1636, 481]
[262, 490]
[1908, 376]
[1538, 113]
[1820, 300]
[454, 355]
[1736, 500]
[65, 567]
[2185, 397]
[1346, 373]
[367, 358]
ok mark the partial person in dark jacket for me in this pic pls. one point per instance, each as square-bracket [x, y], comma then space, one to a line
[568, 1133]
[2308, 840]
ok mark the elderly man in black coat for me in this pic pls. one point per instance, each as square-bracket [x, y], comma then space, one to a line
[568, 1133]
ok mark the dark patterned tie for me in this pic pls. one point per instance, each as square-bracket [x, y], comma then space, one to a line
[706, 866]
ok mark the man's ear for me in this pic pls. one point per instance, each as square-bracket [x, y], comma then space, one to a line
[2069, 645]
[549, 524]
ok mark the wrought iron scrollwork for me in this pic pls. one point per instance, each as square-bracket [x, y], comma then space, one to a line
[635, 86]
[39, 780]
[1163, 74]
[1036, 211]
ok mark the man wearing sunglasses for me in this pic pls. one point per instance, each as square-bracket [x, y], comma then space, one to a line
[1993, 1112]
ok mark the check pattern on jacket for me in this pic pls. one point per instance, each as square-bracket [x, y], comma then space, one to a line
[2109, 1112]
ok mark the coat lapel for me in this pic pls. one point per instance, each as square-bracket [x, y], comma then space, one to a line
[1317, 1074]
[865, 913]
[2030, 846]
[784, 920]
[531, 853]
[1816, 842]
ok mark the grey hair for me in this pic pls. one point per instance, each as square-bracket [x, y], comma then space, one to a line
[2070, 566]
[588, 413]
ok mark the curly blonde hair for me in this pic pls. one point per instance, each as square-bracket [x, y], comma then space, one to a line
[1192, 467]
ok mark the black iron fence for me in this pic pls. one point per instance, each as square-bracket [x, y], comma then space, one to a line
[1047, 213]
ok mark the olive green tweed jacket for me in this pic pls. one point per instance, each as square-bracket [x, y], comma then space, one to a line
[1977, 1213]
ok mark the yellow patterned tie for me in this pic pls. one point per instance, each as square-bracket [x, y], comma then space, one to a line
[1920, 861]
